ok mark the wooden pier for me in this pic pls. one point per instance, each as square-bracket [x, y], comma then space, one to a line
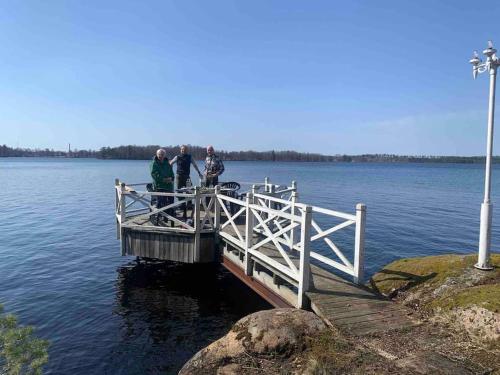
[268, 239]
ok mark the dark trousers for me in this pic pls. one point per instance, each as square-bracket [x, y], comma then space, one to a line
[181, 180]
[212, 181]
[162, 201]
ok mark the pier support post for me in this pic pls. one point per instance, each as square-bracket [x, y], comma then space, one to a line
[359, 243]
[197, 224]
[249, 234]
[304, 266]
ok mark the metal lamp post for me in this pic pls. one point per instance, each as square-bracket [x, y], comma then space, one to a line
[491, 65]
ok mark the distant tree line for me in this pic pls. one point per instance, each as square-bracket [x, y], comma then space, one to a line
[6, 151]
[133, 152]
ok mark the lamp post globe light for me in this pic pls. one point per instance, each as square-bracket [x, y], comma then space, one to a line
[490, 65]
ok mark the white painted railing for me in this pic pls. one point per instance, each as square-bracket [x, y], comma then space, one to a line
[270, 221]
[234, 235]
[134, 209]
[294, 230]
[340, 261]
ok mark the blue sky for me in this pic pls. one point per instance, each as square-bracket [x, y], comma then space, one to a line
[320, 76]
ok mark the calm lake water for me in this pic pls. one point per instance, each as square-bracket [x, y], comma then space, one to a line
[61, 271]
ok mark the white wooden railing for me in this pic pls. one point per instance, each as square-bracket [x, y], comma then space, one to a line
[269, 215]
[273, 216]
[134, 208]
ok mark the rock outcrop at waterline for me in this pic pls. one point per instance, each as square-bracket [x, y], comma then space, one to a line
[449, 290]
[271, 333]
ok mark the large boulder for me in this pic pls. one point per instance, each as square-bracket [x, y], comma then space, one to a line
[281, 332]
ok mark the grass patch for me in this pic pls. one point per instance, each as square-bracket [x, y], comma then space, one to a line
[330, 353]
[431, 271]
[486, 296]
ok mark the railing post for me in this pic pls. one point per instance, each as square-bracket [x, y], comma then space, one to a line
[294, 185]
[123, 214]
[359, 243]
[304, 266]
[292, 211]
[117, 206]
[197, 224]
[266, 184]
[217, 209]
[123, 205]
[249, 224]
[272, 190]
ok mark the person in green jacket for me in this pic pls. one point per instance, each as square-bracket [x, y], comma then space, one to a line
[163, 178]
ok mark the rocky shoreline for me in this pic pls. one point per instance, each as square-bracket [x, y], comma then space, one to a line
[455, 308]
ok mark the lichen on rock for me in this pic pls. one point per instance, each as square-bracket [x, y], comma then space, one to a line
[278, 332]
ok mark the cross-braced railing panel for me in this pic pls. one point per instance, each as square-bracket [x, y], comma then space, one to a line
[276, 237]
[334, 256]
[208, 208]
[135, 208]
[276, 221]
[326, 225]
[236, 236]
[139, 217]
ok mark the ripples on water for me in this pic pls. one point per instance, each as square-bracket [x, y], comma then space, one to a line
[106, 314]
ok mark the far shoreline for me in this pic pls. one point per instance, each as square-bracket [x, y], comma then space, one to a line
[433, 160]
[137, 152]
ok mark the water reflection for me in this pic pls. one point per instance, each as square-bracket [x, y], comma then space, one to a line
[169, 311]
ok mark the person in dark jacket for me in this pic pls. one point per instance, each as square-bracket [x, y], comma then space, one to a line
[163, 178]
[184, 161]
[214, 167]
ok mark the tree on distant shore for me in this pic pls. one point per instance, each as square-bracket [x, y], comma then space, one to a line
[20, 351]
